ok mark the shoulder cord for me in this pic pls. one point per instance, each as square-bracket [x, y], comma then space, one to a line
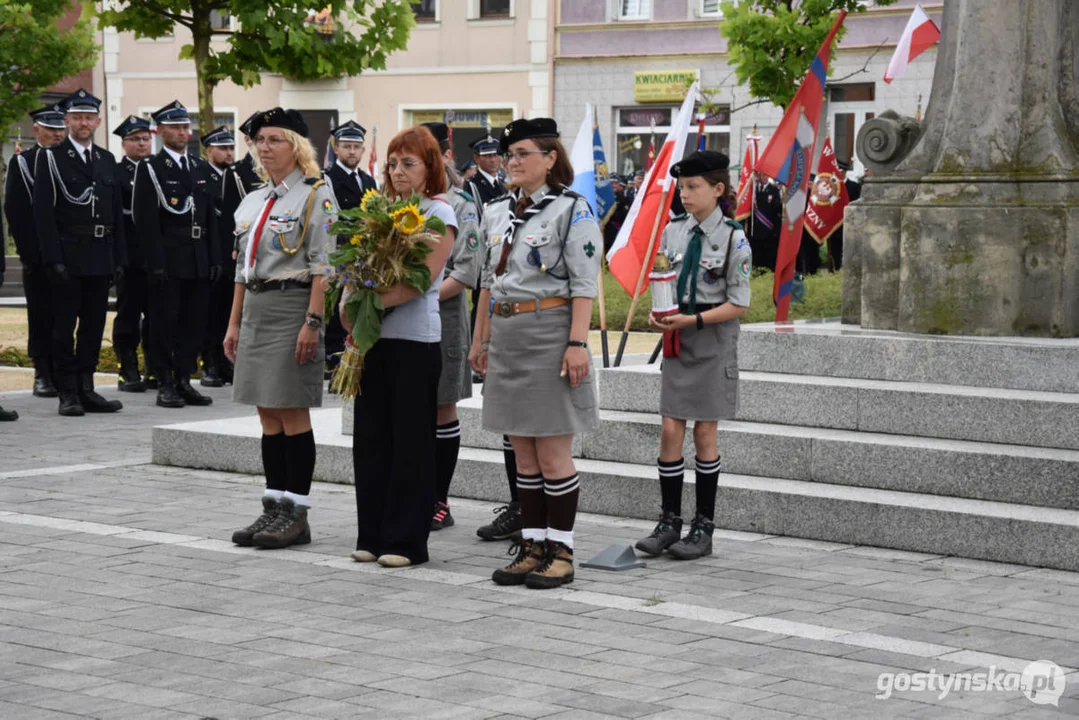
[189, 204]
[27, 176]
[239, 184]
[306, 221]
[87, 196]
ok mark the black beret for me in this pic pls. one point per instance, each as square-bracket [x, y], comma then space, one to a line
[527, 129]
[441, 131]
[245, 126]
[278, 117]
[700, 163]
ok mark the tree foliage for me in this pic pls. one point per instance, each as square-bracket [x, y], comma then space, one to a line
[771, 43]
[35, 54]
[277, 36]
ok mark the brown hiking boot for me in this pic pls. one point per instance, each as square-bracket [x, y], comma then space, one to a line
[529, 557]
[270, 508]
[289, 528]
[557, 568]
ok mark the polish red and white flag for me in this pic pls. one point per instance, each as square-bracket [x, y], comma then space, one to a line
[920, 34]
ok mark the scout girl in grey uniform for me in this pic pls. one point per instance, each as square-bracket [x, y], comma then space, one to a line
[275, 335]
[540, 390]
[700, 364]
[462, 272]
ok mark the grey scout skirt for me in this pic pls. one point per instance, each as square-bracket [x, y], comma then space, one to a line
[455, 383]
[524, 393]
[267, 373]
[702, 382]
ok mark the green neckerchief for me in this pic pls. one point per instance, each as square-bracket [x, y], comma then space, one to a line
[689, 270]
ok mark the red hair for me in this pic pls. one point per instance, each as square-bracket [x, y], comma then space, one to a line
[420, 142]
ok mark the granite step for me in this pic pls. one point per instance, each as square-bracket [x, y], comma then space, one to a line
[835, 350]
[955, 412]
[962, 469]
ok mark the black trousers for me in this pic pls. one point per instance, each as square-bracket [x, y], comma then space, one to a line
[131, 324]
[335, 335]
[39, 313]
[393, 448]
[178, 308]
[81, 301]
[218, 313]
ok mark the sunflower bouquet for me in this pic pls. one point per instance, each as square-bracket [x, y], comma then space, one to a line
[388, 241]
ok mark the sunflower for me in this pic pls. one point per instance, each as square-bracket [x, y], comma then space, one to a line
[355, 239]
[367, 197]
[407, 219]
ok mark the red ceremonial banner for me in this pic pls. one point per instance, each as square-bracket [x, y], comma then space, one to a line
[824, 214]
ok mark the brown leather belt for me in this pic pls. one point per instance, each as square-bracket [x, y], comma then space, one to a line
[508, 309]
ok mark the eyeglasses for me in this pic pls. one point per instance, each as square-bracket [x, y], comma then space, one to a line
[522, 155]
[406, 164]
[271, 141]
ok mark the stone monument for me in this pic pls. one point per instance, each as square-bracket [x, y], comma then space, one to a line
[976, 231]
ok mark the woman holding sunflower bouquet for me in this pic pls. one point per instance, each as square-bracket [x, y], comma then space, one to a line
[393, 446]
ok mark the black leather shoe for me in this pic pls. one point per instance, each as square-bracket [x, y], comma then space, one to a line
[167, 397]
[152, 383]
[8, 415]
[70, 405]
[210, 378]
[43, 385]
[92, 402]
[130, 380]
[190, 395]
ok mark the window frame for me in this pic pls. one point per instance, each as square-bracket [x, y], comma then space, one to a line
[233, 25]
[618, 11]
[422, 20]
[702, 13]
[475, 12]
[661, 131]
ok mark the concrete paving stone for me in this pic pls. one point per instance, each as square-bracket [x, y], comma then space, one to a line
[602, 704]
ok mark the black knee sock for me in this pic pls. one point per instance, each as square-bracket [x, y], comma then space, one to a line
[510, 458]
[300, 460]
[447, 447]
[671, 475]
[273, 462]
[533, 503]
[562, 495]
[707, 480]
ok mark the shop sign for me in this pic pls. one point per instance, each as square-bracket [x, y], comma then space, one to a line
[662, 85]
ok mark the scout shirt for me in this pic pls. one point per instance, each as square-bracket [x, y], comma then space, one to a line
[555, 252]
[286, 251]
[465, 261]
[726, 259]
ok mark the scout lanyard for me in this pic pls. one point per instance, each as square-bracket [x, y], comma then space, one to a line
[253, 242]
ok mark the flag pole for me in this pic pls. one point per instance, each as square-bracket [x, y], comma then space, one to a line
[603, 314]
[640, 278]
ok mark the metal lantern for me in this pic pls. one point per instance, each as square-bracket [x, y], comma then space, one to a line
[663, 282]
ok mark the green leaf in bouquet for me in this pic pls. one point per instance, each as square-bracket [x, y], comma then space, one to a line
[435, 225]
[365, 312]
[333, 296]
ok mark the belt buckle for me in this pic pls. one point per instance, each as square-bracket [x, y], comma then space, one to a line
[196, 232]
[99, 231]
[505, 309]
[253, 285]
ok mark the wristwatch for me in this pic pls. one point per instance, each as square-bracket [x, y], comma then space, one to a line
[700, 322]
[313, 321]
[577, 343]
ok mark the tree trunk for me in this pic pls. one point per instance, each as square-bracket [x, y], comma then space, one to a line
[201, 33]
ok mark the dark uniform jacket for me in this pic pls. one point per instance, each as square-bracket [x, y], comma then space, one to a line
[127, 184]
[240, 178]
[19, 205]
[226, 223]
[183, 244]
[484, 191]
[78, 211]
[347, 191]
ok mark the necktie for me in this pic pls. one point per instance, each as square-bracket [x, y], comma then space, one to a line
[183, 163]
[689, 270]
[522, 205]
[86, 156]
[356, 179]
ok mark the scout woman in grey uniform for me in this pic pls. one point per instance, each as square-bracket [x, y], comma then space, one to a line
[540, 389]
[700, 365]
[455, 384]
[393, 443]
[275, 335]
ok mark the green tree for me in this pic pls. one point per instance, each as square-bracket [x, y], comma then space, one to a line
[771, 43]
[346, 38]
[35, 54]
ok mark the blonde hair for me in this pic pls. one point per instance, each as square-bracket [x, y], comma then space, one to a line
[302, 152]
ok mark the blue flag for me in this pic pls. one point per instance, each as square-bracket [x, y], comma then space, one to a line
[604, 192]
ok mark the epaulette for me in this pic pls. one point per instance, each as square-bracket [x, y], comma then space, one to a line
[733, 223]
[465, 195]
[569, 193]
[679, 218]
[314, 182]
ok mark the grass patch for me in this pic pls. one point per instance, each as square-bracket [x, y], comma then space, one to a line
[824, 296]
[656, 599]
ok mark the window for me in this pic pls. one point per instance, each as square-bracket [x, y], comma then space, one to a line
[220, 21]
[426, 11]
[493, 9]
[635, 132]
[853, 92]
[634, 9]
[710, 8]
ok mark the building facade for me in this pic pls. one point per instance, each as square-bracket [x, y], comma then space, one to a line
[472, 63]
[631, 58]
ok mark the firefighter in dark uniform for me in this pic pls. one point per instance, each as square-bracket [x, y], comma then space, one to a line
[348, 182]
[244, 170]
[49, 130]
[173, 210]
[485, 185]
[5, 415]
[132, 320]
[220, 149]
[78, 214]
